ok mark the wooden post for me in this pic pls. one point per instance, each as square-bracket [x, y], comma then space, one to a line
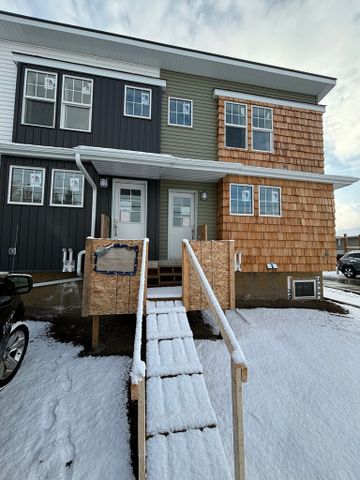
[141, 430]
[95, 332]
[104, 226]
[202, 232]
[238, 424]
[346, 243]
[185, 277]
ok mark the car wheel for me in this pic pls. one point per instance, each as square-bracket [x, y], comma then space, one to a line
[14, 354]
[349, 272]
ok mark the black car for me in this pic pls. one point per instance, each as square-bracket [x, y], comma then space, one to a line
[349, 264]
[13, 338]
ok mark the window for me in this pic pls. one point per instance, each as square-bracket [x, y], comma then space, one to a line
[137, 102]
[26, 185]
[241, 199]
[182, 212]
[270, 201]
[39, 98]
[304, 288]
[130, 205]
[235, 125]
[76, 106]
[262, 134]
[180, 112]
[67, 188]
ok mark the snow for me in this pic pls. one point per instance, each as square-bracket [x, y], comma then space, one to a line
[344, 297]
[167, 326]
[65, 417]
[164, 292]
[333, 274]
[301, 410]
[164, 306]
[194, 454]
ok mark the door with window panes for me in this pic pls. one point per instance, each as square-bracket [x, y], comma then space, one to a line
[181, 221]
[129, 210]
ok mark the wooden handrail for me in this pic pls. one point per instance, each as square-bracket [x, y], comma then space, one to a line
[239, 369]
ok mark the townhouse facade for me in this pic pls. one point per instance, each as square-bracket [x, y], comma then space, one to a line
[161, 139]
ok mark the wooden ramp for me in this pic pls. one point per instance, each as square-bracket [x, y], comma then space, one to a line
[182, 435]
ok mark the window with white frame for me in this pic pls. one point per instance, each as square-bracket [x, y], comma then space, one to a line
[235, 125]
[241, 199]
[262, 129]
[137, 102]
[180, 112]
[304, 288]
[76, 105]
[39, 98]
[26, 185]
[270, 201]
[67, 188]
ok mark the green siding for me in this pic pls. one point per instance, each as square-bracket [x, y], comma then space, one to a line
[200, 141]
[206, 212]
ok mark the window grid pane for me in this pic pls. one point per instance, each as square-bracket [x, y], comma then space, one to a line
[26, 185]
[241, 199]
[235, 125]
[130, 205]
[235, 114]
[180, 112]
[77, 90]
[262, 129]
[137, 102]
[269, 201]
[182, 212]
[67, 188]
[39, 98]
[40, 85]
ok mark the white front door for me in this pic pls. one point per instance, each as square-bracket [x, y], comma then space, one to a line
[181, 220]
[128, 210]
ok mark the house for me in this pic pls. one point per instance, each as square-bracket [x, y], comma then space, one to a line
[161, 139]
[346, 243]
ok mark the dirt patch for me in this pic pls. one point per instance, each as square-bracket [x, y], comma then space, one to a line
[310, 304]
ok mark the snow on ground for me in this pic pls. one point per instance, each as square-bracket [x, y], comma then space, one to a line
[346, 297]
[65, 417]
[334, 274]
[301, 401]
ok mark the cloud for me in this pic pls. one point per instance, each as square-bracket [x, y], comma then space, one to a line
[347, 215]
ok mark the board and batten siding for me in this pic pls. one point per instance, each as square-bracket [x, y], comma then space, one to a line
[206, 210]
[200, 140]
[9, 72]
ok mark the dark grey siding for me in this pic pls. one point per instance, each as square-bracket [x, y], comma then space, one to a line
[44, 230]
[110, 128]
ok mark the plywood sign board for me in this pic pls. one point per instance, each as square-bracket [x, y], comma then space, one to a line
[111, 276]
[216, 258]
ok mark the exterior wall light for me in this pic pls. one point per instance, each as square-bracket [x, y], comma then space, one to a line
[104, 182]
[203, 196]
[271, 266]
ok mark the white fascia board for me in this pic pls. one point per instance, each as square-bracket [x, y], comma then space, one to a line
[275, 101]
[81, 68]
[37, 151]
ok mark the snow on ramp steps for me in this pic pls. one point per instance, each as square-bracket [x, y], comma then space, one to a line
[194, 454]
[167, 326]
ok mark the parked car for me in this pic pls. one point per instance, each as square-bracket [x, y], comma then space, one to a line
[14, 336]
[349, 264]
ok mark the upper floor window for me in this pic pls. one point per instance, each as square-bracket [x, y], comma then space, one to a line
[180, 112]
[67, 188]
[241, 199]
[26, 185]
[262, 129]
[270, 201]
[76, 106]
[235, 125]
[137, 102]
[39, 98]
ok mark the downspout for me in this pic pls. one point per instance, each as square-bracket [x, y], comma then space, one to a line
[94, 189]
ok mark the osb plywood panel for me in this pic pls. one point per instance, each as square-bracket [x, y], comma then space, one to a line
[217, 261]
[301, 240]
[109, 294]
[298, 139]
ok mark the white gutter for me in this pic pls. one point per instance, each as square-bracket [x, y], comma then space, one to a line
[94, 189]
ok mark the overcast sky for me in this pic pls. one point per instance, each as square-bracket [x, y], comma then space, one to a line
[312, 35]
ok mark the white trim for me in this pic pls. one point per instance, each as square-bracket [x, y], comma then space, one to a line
[259, 129]
[80, 105]
[179, 124]
[53, 170]
[276, 101]
[31, 204]
[303, 280]
[237, 126]
[138, 116]
[39, 99]
[96, 71]
[280, 198]
[252, 200]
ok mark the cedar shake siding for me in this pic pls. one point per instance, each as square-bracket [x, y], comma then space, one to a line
[298, 139]
[110, 128]
[300, 240]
